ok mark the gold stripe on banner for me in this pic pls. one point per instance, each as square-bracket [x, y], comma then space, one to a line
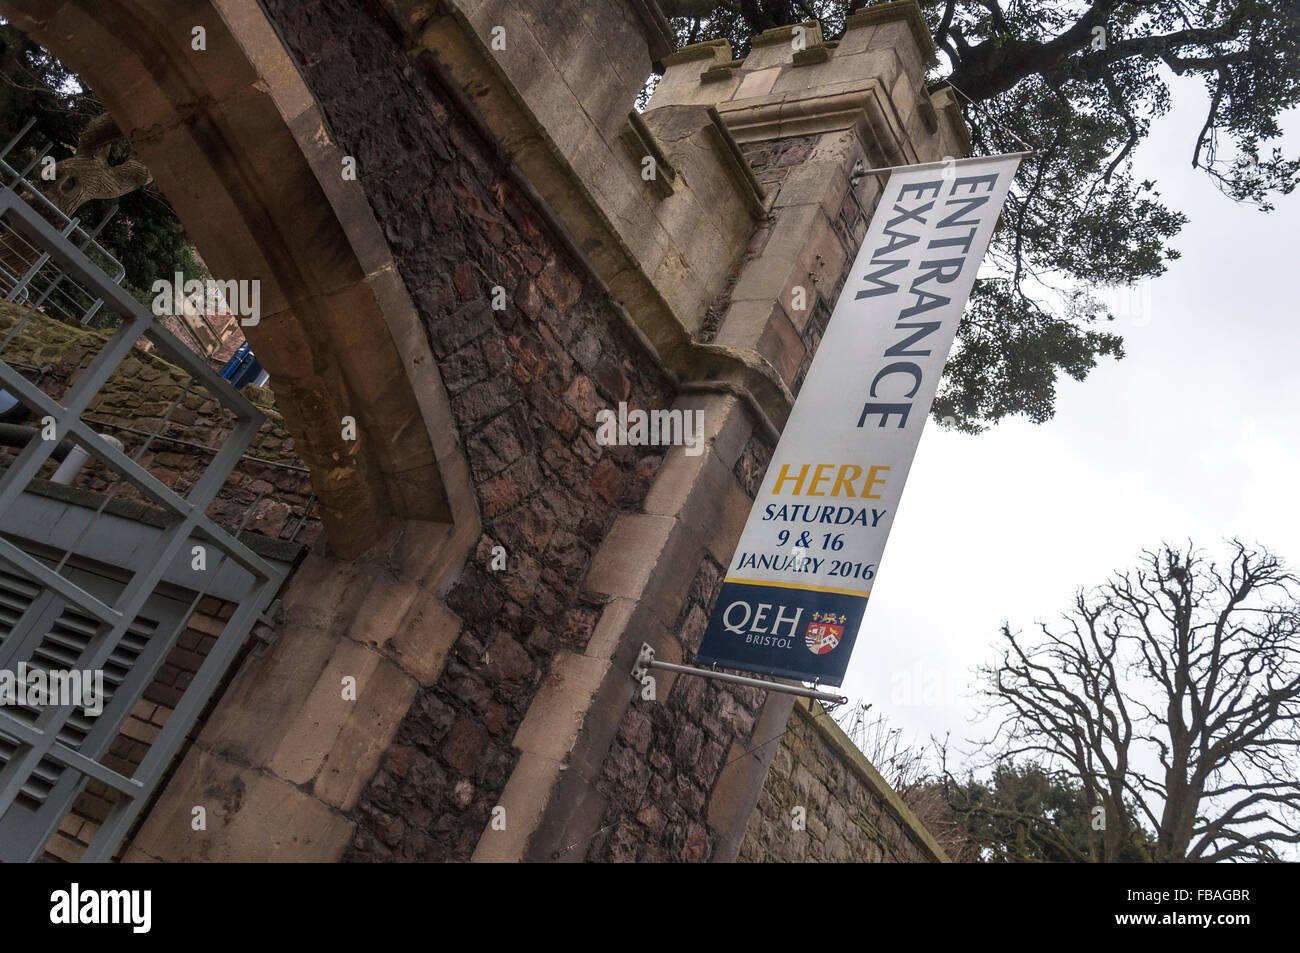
[799, 585]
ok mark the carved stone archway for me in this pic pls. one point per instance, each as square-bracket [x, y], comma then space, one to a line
[235, 140]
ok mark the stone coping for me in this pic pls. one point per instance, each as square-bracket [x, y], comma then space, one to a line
[704, 50]
[908, 10]
[738, 166]
[783, 34]
[659, 33]
[278, 550]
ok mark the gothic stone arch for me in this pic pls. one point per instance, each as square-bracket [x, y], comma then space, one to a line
[237, 143]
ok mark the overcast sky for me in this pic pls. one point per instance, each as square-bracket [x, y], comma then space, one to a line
[1193, 434]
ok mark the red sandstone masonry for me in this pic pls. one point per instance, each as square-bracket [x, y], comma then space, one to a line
[524, 385]
[547, 491]
[659, 788]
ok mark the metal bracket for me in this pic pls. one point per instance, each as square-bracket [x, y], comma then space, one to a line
[645, 661]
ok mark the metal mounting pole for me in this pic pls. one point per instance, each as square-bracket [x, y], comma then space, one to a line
[646, 661]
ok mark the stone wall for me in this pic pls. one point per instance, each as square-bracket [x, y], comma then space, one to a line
[849, 813]
[525, 383]
[666, 793]
[665, 763]
[270, 479]
[580, 523]
[791, 337]
[479, 687]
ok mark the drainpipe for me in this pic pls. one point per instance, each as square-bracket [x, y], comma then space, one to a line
[73, 457]
[76, 459]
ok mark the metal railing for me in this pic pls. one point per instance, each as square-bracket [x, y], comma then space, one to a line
[64, 278]
[26, 274]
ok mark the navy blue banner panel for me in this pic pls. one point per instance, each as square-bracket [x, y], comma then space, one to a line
[779, 630]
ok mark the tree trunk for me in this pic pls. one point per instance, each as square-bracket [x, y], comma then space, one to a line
[87, 175]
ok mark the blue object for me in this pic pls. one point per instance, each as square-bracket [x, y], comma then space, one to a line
[242, 368]
[10, 407]
[788, 632]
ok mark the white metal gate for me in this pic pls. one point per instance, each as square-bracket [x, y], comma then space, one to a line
[57, 616]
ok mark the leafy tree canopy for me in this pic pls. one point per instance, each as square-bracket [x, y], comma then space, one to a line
[1024, 814]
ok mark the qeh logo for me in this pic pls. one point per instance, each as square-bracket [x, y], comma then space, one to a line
[824, 632]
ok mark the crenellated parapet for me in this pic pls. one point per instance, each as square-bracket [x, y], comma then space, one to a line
[794, 82]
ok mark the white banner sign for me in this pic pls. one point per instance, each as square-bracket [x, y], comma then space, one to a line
[794, 594]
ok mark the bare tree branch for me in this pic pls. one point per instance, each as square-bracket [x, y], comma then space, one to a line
[1180, 663]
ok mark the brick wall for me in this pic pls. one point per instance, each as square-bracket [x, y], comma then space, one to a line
[141, 728]
[849, 813]
[270, 478]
